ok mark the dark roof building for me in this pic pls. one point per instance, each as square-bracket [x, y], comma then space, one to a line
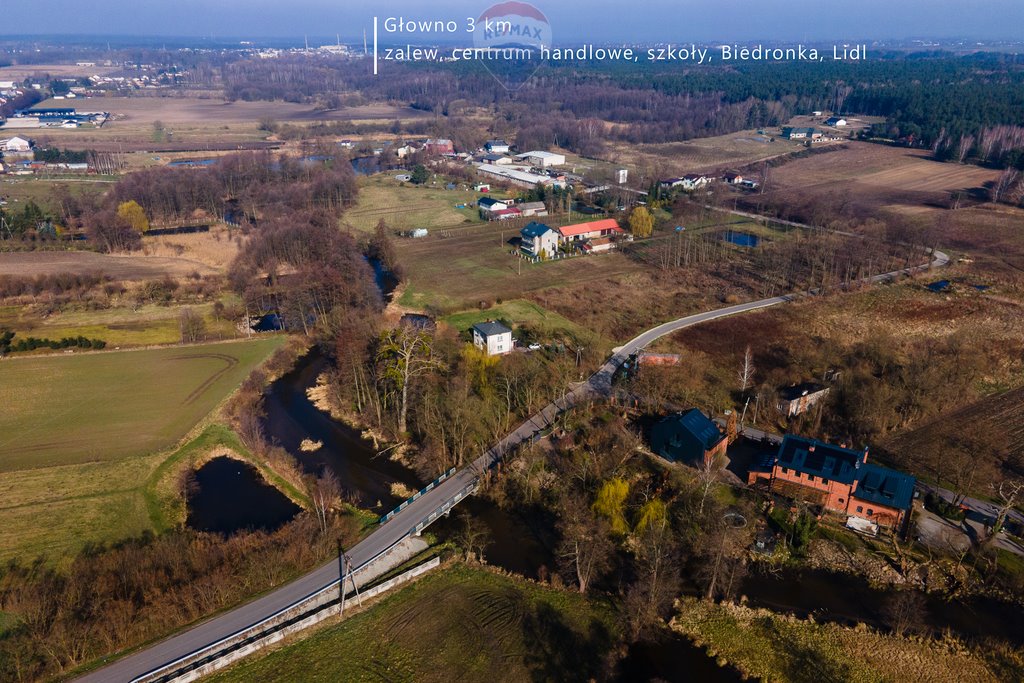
[492, 328]
[688, 437]
[819, 459]
[883, 486]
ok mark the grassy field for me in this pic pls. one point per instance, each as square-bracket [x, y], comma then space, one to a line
[475, 264]
[769, 646]
[120, 326]
[874, 177]
[106, 406]
[81, 439]
[456, 624]
[519, 313]
[702, 154]
[121, 267]
[19, 190]
[404, 206]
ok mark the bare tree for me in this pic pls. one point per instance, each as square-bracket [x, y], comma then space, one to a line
[1009, 492]
[406, 354]
[746, 373]
[473, 537]
[586, 549]
[191, 325]
[325, 492]
[708, 471]
[905, 611]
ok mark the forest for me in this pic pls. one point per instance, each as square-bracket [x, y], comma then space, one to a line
[966, 108]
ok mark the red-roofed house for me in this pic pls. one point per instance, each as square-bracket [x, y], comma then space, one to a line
[585, 231]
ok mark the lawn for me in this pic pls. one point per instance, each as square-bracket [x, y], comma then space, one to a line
[404, 207]
[475, 264]
[769, 646]
[519, 312]
[458, 623]
[81, 439]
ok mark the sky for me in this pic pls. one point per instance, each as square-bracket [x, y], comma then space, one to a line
[572, 21]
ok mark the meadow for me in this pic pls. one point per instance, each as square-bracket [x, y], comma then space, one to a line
[459, 623]
[769, 646]
[81, 434]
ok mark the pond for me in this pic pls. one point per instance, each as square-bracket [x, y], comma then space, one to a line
[193, 162]
[231, 496]
[741, 239]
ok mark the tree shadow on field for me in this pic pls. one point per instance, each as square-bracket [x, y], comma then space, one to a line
[803, 663]
[555, 651]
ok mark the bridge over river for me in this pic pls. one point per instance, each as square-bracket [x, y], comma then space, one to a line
[162, 660]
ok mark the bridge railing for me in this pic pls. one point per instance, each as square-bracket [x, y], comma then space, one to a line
[408, 501]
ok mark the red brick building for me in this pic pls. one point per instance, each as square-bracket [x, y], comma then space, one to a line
[837, 479]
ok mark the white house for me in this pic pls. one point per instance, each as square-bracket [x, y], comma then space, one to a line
[836, 122]
[490, 205]
[542, 159]
[538, 240]
[493, 337]
[497, 147]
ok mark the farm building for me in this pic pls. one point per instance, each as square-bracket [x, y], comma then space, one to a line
[517, 177]
[493, 337]
[496, 159]
[800, 398]
[599, 245]
[538, 240]
[790, 133]
[837, 479]
[439, 146]
[688, 437]
[533, 208]
[506, 214]
[542, 159]
[836, 122]
[497, 147]
[732, 178]
[581, 232]
[16, 145]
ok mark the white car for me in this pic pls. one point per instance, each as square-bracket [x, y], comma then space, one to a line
[534, 347]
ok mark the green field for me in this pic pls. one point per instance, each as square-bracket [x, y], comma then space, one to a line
[457, 624]
[81, 435]
[404, 206]
[475, 264]
[519, 312]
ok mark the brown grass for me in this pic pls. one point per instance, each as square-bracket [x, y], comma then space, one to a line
[121, 267]
[215, 249]
[876, 176]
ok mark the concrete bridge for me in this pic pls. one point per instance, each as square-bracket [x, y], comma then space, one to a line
[164, 661]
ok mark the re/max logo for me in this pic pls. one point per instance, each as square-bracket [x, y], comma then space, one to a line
[494, 29]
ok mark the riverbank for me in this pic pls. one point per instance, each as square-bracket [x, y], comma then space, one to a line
[771, 646]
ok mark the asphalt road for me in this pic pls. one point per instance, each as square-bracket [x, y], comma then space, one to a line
[402, 524]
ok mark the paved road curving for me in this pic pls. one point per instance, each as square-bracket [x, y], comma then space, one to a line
[386, 536]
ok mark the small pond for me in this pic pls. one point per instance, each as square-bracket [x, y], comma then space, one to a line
[232, 496]
[741, 239]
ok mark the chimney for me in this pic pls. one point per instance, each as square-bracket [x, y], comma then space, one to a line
[865, 454]
[810, 449]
